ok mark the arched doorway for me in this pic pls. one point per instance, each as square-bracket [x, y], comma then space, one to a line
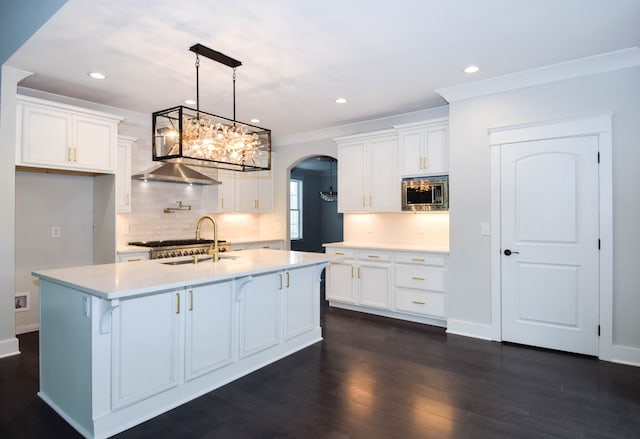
[313, 207]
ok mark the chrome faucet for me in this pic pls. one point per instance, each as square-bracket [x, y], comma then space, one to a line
[213, 250]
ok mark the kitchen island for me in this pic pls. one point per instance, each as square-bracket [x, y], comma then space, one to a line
[122, 343]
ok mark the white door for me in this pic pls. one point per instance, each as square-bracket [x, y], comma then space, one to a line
[549, 221]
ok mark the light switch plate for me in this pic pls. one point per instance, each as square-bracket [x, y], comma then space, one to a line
[485, 229]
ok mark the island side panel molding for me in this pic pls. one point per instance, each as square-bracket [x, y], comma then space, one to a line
[65, 354]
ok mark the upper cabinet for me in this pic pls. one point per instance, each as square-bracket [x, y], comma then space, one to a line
[368, 173]
[58, 136]
[424, 148]
[123, 174]
[254, 192]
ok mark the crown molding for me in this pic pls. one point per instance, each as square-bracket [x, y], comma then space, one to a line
[591, 65]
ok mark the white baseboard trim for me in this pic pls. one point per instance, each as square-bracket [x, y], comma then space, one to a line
[9, 347]
[23, 329]
[626, 355]
[470, 329]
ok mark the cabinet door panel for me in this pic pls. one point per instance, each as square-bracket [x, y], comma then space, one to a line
[94, 141]
[46, 137]
[259, 314]
[375, 285]
[339, 281]
[437, 154]
[209, 330]
[383, 178]
[411, 153]
[300, 302]
[145, 347]
[351, 175]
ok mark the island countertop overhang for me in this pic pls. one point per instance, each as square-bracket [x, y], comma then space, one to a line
[132, 279]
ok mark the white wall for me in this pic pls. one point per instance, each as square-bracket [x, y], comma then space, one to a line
[44, 200]
[18, 21]
[469, 276]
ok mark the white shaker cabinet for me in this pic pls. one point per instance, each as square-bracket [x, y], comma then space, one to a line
[424, 148]
[209, 328]
[259, 314]
[254, 192]
[301, 310]
[368, 173]
[123, 174]
[226, 191]
[360, 278]
[408, 285]
[58, 136]
[146, 350]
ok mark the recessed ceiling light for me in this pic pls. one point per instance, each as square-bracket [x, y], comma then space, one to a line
[341, 101]
[189, 102]
[97, 75]
[254, 120]
[471, 69]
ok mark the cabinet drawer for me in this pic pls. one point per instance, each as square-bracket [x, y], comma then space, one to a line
[419, 302]
[374, 256]
[341, 252]
[422, 258]
[421, 278]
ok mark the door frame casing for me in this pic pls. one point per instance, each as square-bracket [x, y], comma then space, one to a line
[599, 125]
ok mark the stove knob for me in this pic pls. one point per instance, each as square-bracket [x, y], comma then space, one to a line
[160, 256]
[222, 250]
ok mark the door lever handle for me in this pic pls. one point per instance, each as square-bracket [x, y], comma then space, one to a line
[508, 252]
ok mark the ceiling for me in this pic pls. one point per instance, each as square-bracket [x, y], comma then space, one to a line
[384, 57]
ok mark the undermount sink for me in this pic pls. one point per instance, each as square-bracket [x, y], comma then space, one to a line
[199, 260]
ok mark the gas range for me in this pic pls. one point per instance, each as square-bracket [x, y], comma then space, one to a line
[180, 247]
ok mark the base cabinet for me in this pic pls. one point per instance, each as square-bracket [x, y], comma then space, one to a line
[259, 314]
[404, 285]
[145, 351]
[360, 278]
[209, 327]
[107, 365]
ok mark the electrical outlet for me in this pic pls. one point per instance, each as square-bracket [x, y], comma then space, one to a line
[55, 232]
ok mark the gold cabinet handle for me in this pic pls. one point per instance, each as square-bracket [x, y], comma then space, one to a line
[418, 302]
[352, 271]
[190, 300]
[134, 260]
[280, 276]
[417, 278]
[128, 199]
[68, 154]
[222, 203]
[339, 254]
[363, 203]
[417, 259]
[177, 303]
[374, 257]
[75, 155]
[370, 200]
[358, 272]
[288, 280]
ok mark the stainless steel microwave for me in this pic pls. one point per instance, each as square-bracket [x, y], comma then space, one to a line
[425, 193]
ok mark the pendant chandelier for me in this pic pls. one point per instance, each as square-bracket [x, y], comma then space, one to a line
[194, 137]
[330, 196]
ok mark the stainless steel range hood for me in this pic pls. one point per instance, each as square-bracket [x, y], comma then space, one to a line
[175, 173]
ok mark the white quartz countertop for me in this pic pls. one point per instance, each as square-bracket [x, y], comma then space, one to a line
[381, 246]
[129, 279]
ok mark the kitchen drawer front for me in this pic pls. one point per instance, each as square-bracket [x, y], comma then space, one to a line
[422, 258]
[419, 302]
[421, 278]
[374, 256]
[341, 252]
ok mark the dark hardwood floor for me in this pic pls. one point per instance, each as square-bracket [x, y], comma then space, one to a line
[377, 378]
